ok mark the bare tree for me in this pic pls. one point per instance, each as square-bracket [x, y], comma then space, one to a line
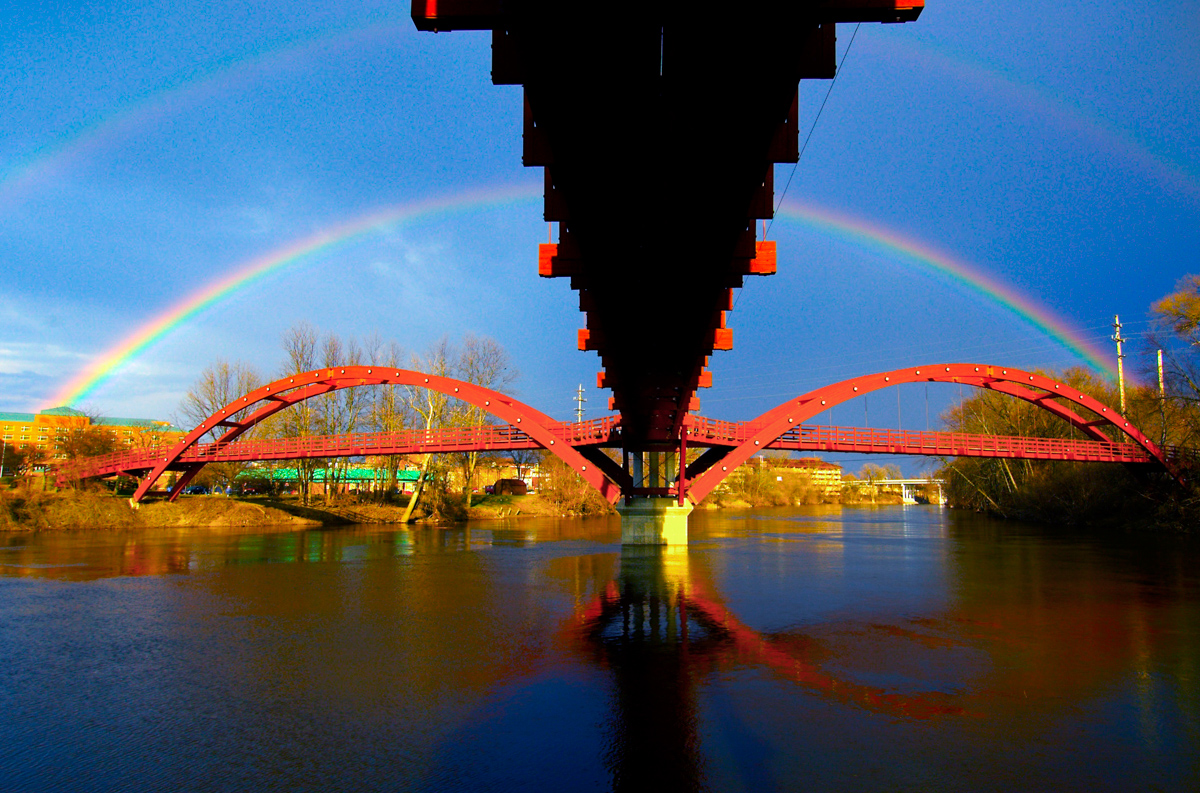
[1176, 332]
[872, 473]
[481, 362]
[299, 421]
[88, 438]
[387, 411]
[220, 383]
[432, 407]
[524, 458]
[341, 411]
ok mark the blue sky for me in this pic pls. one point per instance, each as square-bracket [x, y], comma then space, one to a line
[147, 148]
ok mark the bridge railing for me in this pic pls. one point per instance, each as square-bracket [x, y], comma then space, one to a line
[447, 439]
[113, 462]
[717, 431]
[500, 437]
[949, 444]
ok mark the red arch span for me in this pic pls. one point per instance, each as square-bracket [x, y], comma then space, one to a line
[1033, 388]
[245, 412]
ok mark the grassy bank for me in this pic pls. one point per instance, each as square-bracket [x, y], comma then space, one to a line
[35, 510]
[39, 511]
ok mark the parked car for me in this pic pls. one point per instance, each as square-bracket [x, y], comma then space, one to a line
[510, 487]
[196, 490]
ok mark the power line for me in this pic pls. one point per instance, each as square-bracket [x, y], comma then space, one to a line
[836, 73]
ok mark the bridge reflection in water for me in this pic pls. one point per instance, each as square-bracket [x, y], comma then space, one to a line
[782, 648]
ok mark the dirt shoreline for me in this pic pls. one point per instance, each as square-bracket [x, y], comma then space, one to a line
[35, 510]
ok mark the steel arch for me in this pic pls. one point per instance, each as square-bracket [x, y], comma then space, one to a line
[1033, 388]
[287, 391]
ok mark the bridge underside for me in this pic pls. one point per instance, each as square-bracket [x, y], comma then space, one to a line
[658, 131]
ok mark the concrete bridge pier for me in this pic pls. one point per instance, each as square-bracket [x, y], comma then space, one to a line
[653, 521]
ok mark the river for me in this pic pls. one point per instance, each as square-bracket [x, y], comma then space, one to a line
[825, 648]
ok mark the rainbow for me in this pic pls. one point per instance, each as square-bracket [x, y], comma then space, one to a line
[1039, 100]
[855, 230]
[893, 244]
[249, 273]
[37, 165]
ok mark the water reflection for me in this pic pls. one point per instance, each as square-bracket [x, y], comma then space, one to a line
[788, 647]
[87, 556]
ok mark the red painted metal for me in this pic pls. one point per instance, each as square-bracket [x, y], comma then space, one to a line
[602, 432]
[728, 443]
[1033, 388]
[491, 437]
[956, 444]
[246, 412]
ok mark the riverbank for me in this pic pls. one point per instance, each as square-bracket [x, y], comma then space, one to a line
[35, 510]
[726, 500]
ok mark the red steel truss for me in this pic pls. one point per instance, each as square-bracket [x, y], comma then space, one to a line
[653, 117]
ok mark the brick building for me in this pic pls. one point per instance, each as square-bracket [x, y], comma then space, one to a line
[48, 430]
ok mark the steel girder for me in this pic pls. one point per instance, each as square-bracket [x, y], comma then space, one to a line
[658, 127]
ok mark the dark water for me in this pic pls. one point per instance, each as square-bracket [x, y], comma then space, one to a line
[904, 648]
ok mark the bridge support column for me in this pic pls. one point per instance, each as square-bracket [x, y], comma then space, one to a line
[654, 521]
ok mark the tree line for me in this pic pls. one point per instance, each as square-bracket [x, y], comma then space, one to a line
[373, 408]
[1095, 494]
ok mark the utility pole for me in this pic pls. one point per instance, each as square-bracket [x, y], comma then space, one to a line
[579, 400]
[1162, 403]
[1120, 360]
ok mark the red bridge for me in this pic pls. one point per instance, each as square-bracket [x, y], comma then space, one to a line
[583, 445]
[658, 130]
[700, 432]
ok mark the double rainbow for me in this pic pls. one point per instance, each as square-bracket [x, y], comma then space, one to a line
[855, 230]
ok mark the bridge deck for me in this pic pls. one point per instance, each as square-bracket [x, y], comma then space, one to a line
[606, 432]
[658, 130]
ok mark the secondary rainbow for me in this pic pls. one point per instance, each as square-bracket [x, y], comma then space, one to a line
[892, 244]
[96, 374]
[1042, 102]
[208, 81]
